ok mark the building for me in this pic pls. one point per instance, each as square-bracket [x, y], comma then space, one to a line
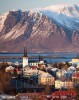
[72, 68]
[75, 78]
[60, 73]
[7, 97]
[25, 59]
[63, 84]
[41, 61]
[18, 71]
[9, 69]
[64, 95]
[75, 61]
[30, 96]
[53, 71]
[33, 63]
[41, 64]
[46, 79]
[68, 74]
[31, 72]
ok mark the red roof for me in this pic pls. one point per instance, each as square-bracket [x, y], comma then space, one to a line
[34, 67]
[76, 75]
[64, 93]
[17, 69]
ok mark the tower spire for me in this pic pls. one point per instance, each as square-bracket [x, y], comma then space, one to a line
[25, 59]
[77, 55]
[25, 51]
[40, 58]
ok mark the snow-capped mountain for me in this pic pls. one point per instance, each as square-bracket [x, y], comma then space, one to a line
[65, 15]
[53, 28]
[2, 19]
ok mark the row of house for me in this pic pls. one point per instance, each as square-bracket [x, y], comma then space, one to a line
[65, 79]
[58, 95]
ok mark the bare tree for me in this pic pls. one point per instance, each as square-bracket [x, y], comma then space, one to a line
[5, 81]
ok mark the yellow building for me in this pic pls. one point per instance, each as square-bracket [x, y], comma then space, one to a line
[63, 84]
[74, 60]
[45, 79]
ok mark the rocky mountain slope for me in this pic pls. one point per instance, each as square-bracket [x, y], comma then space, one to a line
[42, 30]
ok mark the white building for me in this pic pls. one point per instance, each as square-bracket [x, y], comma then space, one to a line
[74, 61]
[63, 84]
[60, 73]
[68, 74]
[9, 69]
[33, 64]
[72, 68]
[77, 65]
[46, 79]
[31, 72]
[25, 59]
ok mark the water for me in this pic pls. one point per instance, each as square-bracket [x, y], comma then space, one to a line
[64, 56]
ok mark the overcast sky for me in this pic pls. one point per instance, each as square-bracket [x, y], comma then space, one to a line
[7, 5]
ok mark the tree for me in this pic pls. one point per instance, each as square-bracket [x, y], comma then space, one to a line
[76, 88]
[47, 89]
[5, 81]
[4, 65]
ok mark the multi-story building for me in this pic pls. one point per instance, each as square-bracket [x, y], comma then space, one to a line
[75, 61]
[31, 72]
[75, 78]
[60, 73]
[9, 69]
[63, 84]
[46, 79]
[64, 95]
[25, 59]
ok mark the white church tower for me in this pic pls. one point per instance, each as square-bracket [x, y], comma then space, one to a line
[25, 58]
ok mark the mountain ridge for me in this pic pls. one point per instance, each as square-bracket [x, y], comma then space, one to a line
[38, 31]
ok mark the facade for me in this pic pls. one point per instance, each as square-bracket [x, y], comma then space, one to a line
[41, 66]
[46, 79]
[72, 68]
[63, 84]
[69, 74]
[31, 72]
[60, 73]
[74, 61]
[25, 59]
[64, 95]
[18, 71]
[30, 96]
[75, 78]
[9, 69]
[33, 64]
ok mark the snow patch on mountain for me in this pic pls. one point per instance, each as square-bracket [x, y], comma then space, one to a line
[65, 15]
[15, 32]
[2, 19]
[69, 10]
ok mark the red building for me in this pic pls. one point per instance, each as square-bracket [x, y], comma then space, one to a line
[64, 94]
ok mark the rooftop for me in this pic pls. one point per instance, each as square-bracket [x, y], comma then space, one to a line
[76, 75]
[63, 93]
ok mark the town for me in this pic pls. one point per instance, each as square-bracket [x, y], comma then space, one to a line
[39, 80]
